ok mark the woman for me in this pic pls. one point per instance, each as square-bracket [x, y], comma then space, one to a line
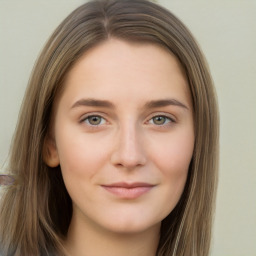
[116, 148]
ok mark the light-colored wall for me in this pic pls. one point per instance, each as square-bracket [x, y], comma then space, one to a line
[226, 31]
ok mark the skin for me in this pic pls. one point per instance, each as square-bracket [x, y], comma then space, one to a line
[6, 180]
[129, 140]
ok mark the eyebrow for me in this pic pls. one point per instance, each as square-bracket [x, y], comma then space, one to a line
[93, 103]
[107, 104]
[165, 103]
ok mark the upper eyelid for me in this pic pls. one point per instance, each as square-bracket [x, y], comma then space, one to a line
[90, 114]
[164, 114]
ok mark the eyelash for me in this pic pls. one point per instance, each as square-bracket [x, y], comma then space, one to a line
[86, 120]
[167, 120]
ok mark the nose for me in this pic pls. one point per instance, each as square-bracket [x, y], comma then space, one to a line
[129, 151]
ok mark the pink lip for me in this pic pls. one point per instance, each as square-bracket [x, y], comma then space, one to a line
[128, 190]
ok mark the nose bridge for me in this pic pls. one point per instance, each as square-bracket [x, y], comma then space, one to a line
[129, 150]
[129, 139]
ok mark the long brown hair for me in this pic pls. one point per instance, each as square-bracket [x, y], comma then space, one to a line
[36, 209]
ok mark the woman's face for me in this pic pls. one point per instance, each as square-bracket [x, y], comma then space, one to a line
[123, 136]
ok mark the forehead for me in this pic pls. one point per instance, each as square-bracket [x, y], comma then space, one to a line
[132, 69]
[114, 51]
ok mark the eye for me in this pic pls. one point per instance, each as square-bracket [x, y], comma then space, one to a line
[94, 120]
[160, 120]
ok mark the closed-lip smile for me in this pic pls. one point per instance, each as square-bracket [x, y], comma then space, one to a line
[126, 190]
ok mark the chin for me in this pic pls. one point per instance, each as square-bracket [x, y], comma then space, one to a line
[131, 225]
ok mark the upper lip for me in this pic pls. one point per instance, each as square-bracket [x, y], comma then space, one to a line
[129, 185]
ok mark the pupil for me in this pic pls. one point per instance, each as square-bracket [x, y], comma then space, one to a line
[94, 120]
[159, 120]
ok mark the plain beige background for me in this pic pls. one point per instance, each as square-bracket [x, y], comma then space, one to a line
[226, 31]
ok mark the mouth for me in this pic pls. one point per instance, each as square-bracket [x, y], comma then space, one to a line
[128, 190]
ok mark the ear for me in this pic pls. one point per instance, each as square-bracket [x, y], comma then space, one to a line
[50, 153]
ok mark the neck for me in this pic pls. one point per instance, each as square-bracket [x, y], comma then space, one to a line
[85, 240]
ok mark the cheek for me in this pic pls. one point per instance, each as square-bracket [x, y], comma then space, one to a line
[80, 155]
[172, 157]
[173, 154]
[81, 161]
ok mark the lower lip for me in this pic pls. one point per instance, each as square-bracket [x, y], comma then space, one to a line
[128, 193]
